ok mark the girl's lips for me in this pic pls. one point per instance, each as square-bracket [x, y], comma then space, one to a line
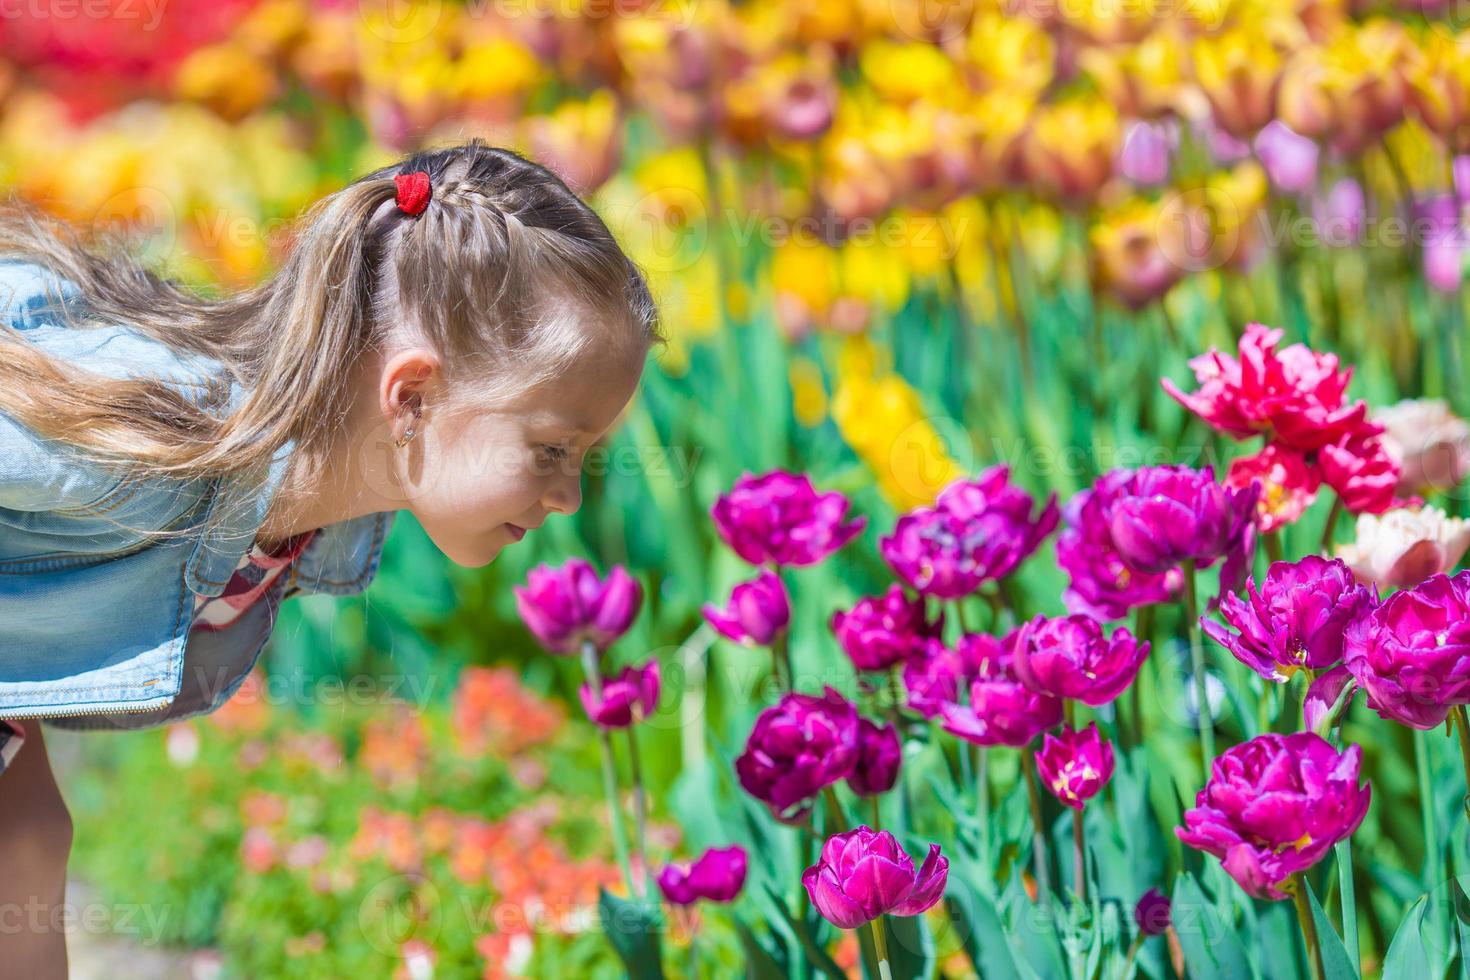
[516, 531]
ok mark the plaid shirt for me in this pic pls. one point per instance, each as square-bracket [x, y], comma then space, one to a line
[253, 575]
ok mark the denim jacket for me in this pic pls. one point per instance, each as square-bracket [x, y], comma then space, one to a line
[94, 618]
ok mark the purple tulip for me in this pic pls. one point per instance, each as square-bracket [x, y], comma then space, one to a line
[1069, 657]
[1002, 710]
[977, 531]
[755, 613]
[1295, 620]
[1152, 913]
[1412, 653]
[568, 606]
[717, 875]
[1340, 213]
[880, 631]
[629, 697]
[1166, 515]
[940, 674]
[1144, 159]
[1103, 585]
[878, 758]
[1075, 766]
[799, 745]
[780, 518]
[1275, 806]
[1444, 241]
[1289, 158]
[863, 874]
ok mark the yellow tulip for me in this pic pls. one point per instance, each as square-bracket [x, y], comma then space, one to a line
[226, 77]
[883, 419]
[1069, 149]
[1238, 72]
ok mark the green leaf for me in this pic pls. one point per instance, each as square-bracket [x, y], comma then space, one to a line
[1211, 946]
[760, 963]
[1407, 957]
[1335, 960]
[816, 955]
[633, 929]
[980, 929]
[910, 948]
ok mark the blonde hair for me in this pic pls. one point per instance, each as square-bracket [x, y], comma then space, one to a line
[507, 275]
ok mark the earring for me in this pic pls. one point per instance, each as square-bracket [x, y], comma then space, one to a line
[408, 433]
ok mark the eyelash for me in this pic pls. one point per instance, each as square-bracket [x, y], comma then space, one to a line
[555, 452]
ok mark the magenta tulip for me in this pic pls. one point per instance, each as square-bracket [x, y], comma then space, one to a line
[881, 631]
[1069, 657]
[625, 699]
[1411, 655]
[799, 745]
[863, 874]
[978, 531]
[568, 606]
[1102, 584]
[879, 754]
[1075, 765]
[1295, 620]
[756, 612]
[1002, 710]
[941, 675]
[1166, 515]
[717, 875]
[1275, 806]
[1152, 913]
[780, 518]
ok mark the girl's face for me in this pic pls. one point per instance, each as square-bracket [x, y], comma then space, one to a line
[481, 480]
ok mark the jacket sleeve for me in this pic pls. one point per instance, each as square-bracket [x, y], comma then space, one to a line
[38, 474]
[33, 296]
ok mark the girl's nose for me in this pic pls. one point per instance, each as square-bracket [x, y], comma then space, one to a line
[565, 495]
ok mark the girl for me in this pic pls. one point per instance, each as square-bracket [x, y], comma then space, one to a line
[446, 336]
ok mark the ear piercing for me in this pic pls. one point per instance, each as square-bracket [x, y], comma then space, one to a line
[408, 433]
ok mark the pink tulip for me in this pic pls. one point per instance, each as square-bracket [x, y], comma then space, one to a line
[1075, 766]
[756, 612]
[625, 699]
[568, 606]
[863, 874]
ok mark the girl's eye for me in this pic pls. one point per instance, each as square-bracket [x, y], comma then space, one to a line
[555, 452]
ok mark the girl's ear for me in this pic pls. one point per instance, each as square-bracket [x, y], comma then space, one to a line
[405, 379]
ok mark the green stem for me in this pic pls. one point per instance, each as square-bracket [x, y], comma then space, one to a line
[609, 774]
[1272, 542]
[1143, 627]
[1326, 545]
[1462, 726]
[982, 795]
[1438, 926]
[1197, 661]
[1133, 949]
[877, 813]
[1348, 892]
[1079, 856]
[781, 660]
[640, 812]
[836, 815]
[880, 945]
[1309, 927]
[1038, 835]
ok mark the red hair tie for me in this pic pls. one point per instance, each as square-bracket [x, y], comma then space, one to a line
[413, 191]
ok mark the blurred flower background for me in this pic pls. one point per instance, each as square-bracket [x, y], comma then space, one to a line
[893, 242]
